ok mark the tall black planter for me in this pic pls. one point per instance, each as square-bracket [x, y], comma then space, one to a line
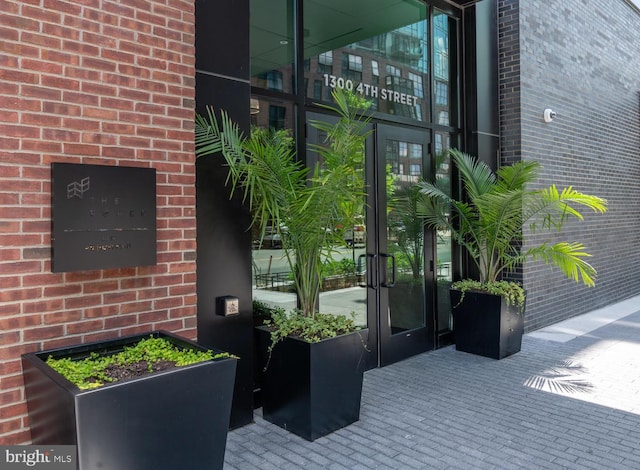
[164, 421]
[313, 389]
[485, 325]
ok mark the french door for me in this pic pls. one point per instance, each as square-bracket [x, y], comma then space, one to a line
[391, 252]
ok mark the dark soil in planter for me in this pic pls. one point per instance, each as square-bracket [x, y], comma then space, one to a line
[128, 371]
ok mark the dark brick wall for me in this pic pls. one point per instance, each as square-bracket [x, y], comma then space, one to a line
[580, 59]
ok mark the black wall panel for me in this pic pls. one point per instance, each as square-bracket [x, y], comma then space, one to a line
[222, 37]
[224, 244]
[481, 81]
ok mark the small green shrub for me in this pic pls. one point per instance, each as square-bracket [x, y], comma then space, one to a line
[344, 266]
[512, 292]
[90, 372]
[313, 330]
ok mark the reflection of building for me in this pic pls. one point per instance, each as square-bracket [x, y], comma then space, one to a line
[394, 61]
[405, 161]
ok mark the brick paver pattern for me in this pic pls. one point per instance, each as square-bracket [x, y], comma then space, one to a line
[573, 405]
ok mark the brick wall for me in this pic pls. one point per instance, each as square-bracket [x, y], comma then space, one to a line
[98, 82]
[580, 59]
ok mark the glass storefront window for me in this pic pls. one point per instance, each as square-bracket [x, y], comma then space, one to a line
[271, 271]
[272, 114]
[383, 58]
[443, 29]
[272, 45]
[384, 55]
[444, 241]
[402, 56]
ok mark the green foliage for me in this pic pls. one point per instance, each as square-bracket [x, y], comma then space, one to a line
[307, 205]
[89, 372]
[407, 229]
[512, 292]
[324, 326]
[343, 266]
[489, 221]
[313, 330]
[263, 312]
[261, 309]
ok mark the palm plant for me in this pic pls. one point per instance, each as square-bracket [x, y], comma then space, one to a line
[407, 227]
[311, 207]
[489, 222]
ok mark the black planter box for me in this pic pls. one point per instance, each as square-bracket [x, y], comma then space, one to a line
[313, 389]
[167, 420]
[485, 325]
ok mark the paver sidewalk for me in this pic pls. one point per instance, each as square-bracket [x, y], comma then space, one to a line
[554, 405]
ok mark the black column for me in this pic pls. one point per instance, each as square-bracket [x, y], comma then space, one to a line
[481, 81]
[224, 244]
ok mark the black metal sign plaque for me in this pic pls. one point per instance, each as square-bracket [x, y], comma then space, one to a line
[103, 217]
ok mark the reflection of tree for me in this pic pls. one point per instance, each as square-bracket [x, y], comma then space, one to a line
[442, 180]
[407, 229]
[443, 175]
[405, 226]
[390, 183]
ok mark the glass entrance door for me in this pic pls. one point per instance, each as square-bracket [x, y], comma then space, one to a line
[384, 283]
[404, 312]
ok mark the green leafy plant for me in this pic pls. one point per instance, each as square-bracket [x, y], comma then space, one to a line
[407, 229]
[343, 266]
[310, 329]
[90, 372]
[263, 312]
[311, 207]
[512, 292]
[489, 221]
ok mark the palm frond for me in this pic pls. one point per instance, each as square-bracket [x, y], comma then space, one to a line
[517, 176]
[490, 223]
[476, 176]
[265, 169]
[569, 258]
[308, 207]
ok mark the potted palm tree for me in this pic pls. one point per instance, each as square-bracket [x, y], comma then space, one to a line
[313, 382]
[489, 224]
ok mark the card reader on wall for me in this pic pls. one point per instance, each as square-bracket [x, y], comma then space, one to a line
[227, 305]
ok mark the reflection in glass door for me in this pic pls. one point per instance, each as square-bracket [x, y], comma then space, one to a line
[342, 271]
[405, 315]
[379, 274]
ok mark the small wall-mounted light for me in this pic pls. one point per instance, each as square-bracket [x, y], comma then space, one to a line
[254, 106]
[549, 115]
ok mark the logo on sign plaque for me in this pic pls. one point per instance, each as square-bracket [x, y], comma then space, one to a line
[103, 217]
[77, 189]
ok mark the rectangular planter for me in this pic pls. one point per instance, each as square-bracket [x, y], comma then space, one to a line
[485, 325]
[171, 419]
[313, 389]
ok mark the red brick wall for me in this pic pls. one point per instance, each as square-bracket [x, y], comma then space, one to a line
[98, 82]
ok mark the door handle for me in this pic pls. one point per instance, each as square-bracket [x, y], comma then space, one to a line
[364, 269]
[386, 256]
